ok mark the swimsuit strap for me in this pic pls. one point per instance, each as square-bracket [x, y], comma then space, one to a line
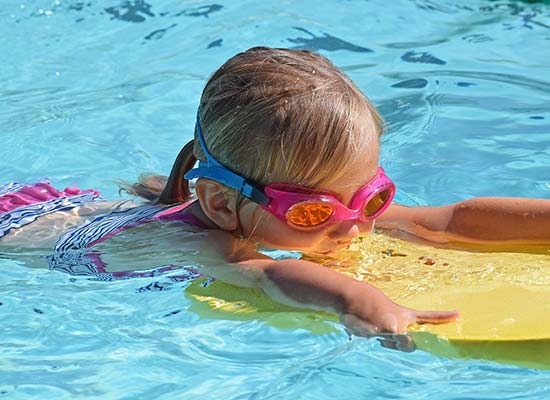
[173, 214]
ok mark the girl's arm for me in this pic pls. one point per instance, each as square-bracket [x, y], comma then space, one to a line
[299, 283]
[491, 220]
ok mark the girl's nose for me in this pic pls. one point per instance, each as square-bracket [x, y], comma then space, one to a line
[345, 231]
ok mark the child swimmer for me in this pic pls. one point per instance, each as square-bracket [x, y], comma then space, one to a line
[288, 159]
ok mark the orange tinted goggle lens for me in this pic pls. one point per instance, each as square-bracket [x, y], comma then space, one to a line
[376, 203]
[309, 215]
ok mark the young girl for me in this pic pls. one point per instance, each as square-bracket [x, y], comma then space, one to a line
[288, 149]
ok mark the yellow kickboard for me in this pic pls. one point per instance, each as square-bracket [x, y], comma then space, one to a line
[506, 323]
[490, 313]
[504, 298]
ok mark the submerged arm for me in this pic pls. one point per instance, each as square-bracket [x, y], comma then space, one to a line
[300, 283]
[494, 220]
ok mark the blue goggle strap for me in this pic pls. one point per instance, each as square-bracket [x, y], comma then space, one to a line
[213, 169]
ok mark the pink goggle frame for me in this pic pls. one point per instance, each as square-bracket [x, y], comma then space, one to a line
[306, 209]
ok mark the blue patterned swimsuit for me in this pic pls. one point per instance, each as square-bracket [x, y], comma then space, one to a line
[22, 204]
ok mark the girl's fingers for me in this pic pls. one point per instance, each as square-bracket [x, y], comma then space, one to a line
[397, 342]
[358, 327]
[395, 323]
[436, 317]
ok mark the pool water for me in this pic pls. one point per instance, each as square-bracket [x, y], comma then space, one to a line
[98, 91]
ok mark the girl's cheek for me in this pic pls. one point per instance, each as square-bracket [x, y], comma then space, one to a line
[262, 227]
[251, 218]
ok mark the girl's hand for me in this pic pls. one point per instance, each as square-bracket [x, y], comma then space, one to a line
[368, 312]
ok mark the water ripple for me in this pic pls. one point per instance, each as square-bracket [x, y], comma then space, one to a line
[512, 79]
[111, 91]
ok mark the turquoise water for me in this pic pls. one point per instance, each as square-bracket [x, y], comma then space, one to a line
[96, 91]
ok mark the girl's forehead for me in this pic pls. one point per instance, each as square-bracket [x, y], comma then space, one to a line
[354, 174]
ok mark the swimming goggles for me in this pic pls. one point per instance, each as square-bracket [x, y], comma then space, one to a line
[301, 208]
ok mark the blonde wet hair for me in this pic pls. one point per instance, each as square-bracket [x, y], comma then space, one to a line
[275, 115]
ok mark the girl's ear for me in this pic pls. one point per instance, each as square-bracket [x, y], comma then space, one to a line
[218, 205]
